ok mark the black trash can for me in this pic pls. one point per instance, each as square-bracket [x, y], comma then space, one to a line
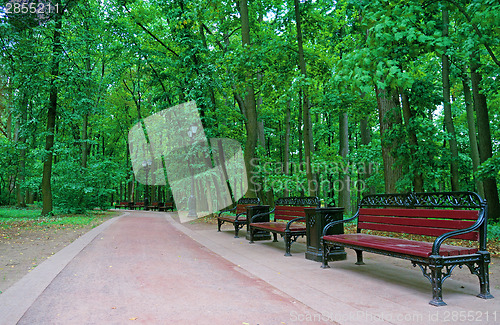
[316, 220]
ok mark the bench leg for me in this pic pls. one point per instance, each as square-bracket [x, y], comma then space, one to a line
[219, 223]
[236, 230]
[288, 243]
[275, 237]
[437, 285]
[326, 250]
[251, 235]
[483, 275]
[359, 257]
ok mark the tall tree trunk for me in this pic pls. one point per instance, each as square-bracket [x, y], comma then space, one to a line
[345, 177]
[418, 178]
[471, 123]
[51, 118]
[484, 134]
[21, 194]
[301, 140]
[448, 118]
[249, 104]
[389, 113]
[308, 143]
[286, 153]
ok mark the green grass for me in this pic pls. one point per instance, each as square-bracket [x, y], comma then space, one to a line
[13, 214]
[10, 216]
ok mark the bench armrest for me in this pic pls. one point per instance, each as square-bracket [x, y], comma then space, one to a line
[479, 222]
[255, 217]
[239, 214]
[289, 223]
[336, 222]
[226, 210]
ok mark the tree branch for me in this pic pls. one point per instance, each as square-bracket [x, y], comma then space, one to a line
[152, 35]
[476, 29]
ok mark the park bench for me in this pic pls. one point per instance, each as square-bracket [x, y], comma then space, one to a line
[165, 206]
[239, 219]
[137, 205]
[289, 220]
[154, 206]
[456, 215]
[123, 204]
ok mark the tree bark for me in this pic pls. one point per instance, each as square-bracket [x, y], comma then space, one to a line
[308, 143]
[344, 177]
[471, 123]
[249, 104]
[484, 134]
[389, 114]
[448, 118]
[21, 194]
[51, 118]
[286, 153]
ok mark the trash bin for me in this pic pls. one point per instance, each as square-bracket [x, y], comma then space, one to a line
[258, 234]
[316, 220]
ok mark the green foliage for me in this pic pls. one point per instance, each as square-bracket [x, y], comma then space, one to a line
[494, 231]
[77, 189]
[124, 60]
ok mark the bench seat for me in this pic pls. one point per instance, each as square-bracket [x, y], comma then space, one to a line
[232, 219]
[397, 245]
[279, 226]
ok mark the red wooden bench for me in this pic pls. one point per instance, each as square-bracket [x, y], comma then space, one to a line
[123, 204]
[240, 219]
[138, 205]
[289, 220]
[153, 206]
[165, 206]
[457, 215]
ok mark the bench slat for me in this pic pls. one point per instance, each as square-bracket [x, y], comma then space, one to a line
[426, 231]
[427, 213]
[420, 222]
[241, 208]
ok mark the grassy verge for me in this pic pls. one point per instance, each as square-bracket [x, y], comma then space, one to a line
[30, 217]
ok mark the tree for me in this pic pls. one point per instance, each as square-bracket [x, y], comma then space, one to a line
[51, 116]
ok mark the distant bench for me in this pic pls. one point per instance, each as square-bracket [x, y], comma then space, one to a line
[458, 215]
[239, 219]
[123, 204]
[165, 206]
[137, 205]
[289, 220]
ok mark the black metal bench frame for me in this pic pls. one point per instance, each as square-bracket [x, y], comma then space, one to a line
[290, 209]
[436, 267]
[239, 220]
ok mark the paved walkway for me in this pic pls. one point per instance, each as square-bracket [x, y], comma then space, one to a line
[146, 267]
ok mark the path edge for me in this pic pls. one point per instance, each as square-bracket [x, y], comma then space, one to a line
[17, 299]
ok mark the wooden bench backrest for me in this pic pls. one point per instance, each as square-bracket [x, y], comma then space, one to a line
[293, 207]
[429, 214]
[428, 222]
[243, 203]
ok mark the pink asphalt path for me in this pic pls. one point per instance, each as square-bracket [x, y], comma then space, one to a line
[142, 269]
